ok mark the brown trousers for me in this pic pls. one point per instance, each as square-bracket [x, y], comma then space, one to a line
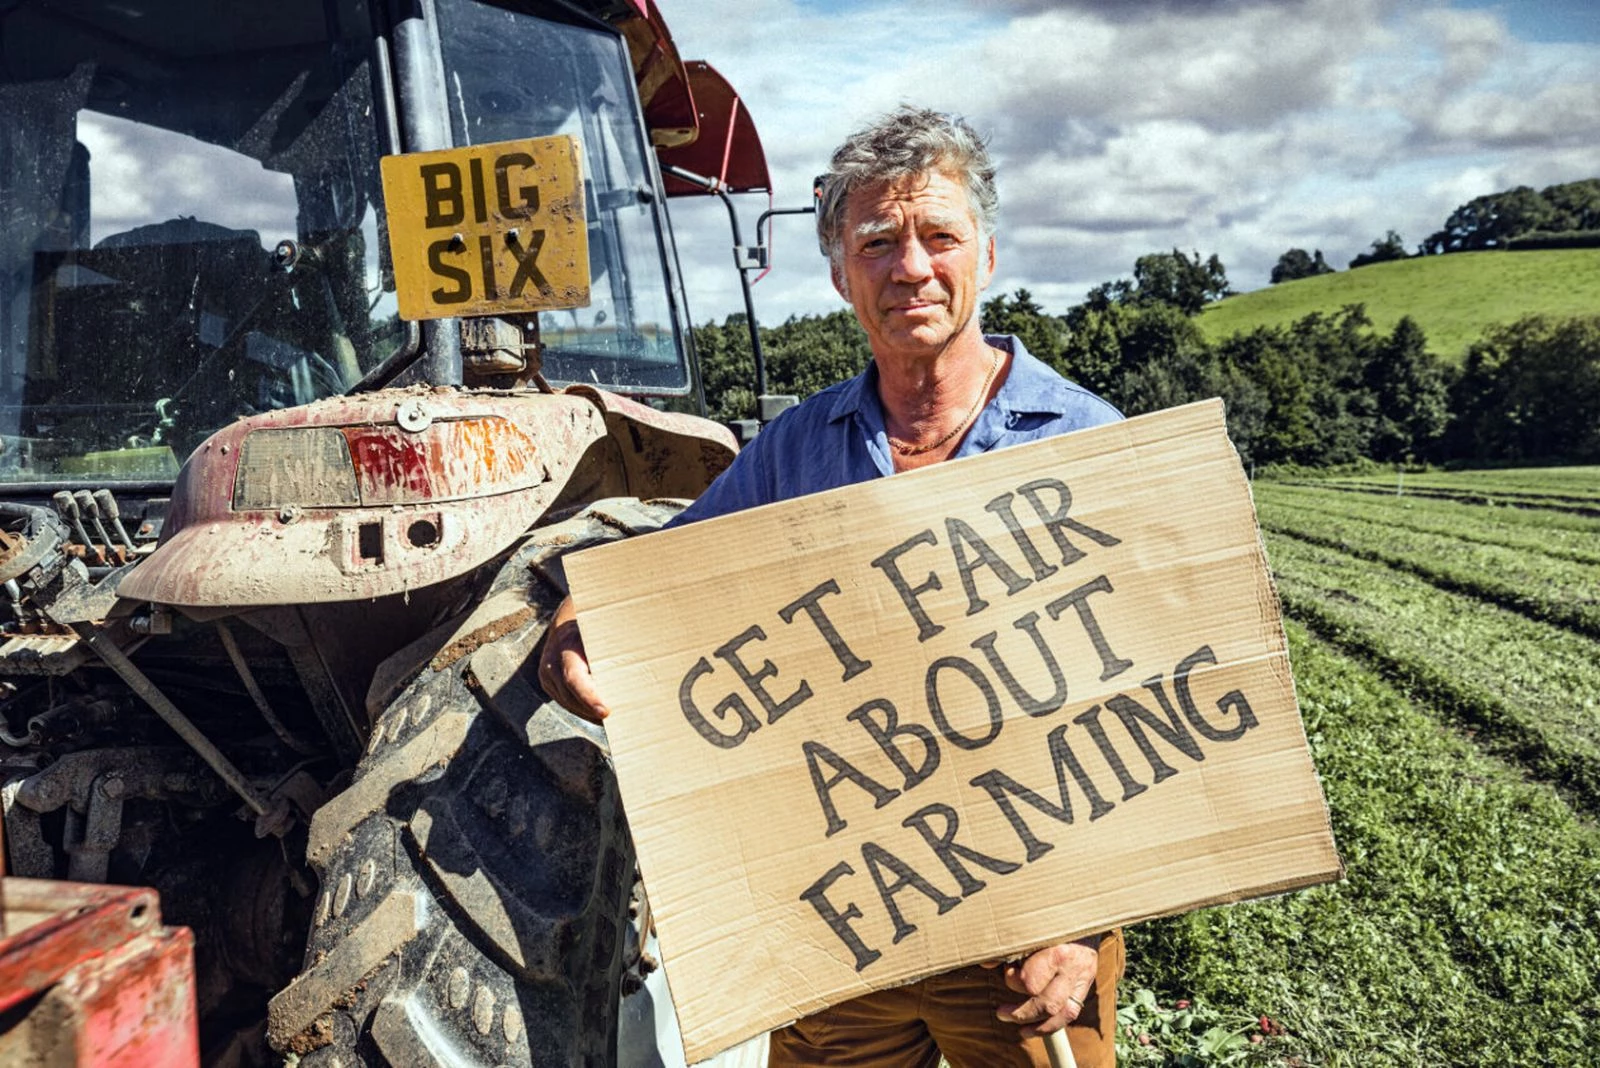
[953, 1015]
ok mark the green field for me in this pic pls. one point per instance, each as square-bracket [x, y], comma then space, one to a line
[1559, 488]
[1446, 652]
[1453, 297]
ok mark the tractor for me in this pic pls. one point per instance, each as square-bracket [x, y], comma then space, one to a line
[277, 550]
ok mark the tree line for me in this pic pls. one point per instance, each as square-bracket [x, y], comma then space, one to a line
[1558, 216]
[1328, 389]
[1520, 217]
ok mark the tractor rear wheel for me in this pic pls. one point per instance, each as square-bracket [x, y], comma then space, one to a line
[476, 873]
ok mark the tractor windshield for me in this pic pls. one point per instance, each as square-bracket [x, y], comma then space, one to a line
[510, 76]
[190, 232]
[191, 215]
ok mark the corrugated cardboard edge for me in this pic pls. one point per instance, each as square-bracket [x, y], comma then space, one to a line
[1197, 419]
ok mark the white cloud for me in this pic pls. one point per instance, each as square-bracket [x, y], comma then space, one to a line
[144, 175]
[1560, 115]
[1222, 71]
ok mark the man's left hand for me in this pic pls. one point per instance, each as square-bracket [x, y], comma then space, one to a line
[1057, 980]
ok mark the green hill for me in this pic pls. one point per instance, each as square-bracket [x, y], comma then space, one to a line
[1453, 297]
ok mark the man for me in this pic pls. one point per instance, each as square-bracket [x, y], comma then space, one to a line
[907, 222]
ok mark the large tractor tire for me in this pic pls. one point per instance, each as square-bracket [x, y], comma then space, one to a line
[476, 873]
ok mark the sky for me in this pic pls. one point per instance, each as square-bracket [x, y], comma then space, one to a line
[1121, 127]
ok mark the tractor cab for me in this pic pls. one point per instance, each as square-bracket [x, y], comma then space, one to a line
[275, 546]
[195, 229]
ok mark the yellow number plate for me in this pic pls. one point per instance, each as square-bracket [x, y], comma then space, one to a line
[488, 229]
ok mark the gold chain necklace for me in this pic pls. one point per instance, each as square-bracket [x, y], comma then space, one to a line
[905, 449]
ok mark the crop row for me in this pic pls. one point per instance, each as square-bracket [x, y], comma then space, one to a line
[1464, 932]
[1575, 483]
[1556, 502]
[1558, 534]
[1563, 592]
[1530, 690]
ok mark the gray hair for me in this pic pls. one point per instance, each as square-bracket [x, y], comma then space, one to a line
[906, 143]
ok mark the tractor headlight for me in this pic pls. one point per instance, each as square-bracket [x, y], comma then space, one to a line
[383, 464]
[308, 467]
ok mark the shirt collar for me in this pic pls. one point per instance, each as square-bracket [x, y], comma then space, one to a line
[1030, 385]
[1025, 389]
[859, 393]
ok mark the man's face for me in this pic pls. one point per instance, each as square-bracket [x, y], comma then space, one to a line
[912, 267]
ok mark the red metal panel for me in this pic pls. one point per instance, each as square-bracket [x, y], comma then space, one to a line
[112, 987]
[133, 1007]
[728, 148]
[447, 460]
[51, 927]
[658, 70]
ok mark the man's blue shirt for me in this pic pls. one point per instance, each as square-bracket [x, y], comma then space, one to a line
[837, 437]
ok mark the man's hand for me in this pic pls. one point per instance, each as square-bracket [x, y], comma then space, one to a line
[1056, 980]
[564, 667]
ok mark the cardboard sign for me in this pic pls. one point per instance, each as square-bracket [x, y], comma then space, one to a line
[488, 229]
[950, 716]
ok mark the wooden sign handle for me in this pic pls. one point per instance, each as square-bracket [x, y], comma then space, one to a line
[1059, 1049]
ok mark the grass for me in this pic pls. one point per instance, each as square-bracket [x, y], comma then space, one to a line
[1464, 932]
[1487, 494]
[1537, 532]
[1560, 591]
[1457, 735]
[1580, 485]
[1531, 690]
[1452, 297]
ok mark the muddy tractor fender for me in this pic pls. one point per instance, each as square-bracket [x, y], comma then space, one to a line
[656, 453]
[364, 496]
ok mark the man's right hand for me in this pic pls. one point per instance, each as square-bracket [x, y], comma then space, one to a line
[564, 667]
